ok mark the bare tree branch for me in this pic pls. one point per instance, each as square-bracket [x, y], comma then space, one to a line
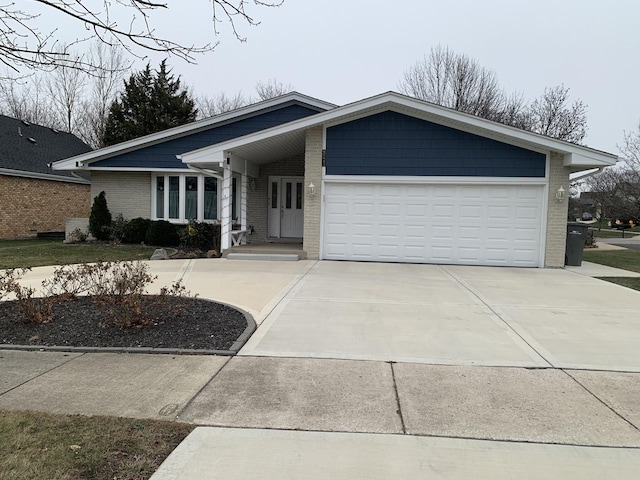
[457, 81]
[272, 88]
[24, 45]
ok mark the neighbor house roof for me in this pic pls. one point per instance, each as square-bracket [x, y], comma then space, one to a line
[27, 150]
[80, 161]
[261, 146]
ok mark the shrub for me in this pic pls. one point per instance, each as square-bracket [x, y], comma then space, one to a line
[77, 236]
[135, 230]
[34, 310]
[197, 235]
[9, 280]
[162, 234]
[100, 218]
[119, 286]
[116, 230]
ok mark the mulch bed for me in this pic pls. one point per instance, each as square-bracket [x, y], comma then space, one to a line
[188, 324]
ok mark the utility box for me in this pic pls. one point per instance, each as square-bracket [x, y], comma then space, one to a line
[576, 237]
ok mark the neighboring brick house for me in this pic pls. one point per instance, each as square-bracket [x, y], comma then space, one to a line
[386, 179]
[35, 199]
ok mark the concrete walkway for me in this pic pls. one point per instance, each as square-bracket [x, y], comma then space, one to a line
[430, 372]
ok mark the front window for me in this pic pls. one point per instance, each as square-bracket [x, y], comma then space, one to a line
[183, 197]
[191, 198]
[210, 198]
[174, 197]
[159, 197]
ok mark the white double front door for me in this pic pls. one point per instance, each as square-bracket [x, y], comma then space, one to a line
[286, 210]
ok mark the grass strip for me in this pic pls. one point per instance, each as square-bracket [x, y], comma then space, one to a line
[624, 259]
[73, 447]
[628, 282]
[40, 252]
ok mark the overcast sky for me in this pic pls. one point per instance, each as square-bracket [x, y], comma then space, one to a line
[345, 50]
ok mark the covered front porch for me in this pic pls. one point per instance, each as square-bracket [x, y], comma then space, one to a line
[263, 193]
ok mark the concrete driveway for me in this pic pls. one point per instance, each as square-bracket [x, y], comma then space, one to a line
[362, 370]
[454, 315]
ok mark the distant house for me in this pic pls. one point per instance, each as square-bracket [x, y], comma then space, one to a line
[386, 179]
[34, 198]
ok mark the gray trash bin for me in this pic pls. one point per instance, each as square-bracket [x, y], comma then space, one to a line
[576, 236]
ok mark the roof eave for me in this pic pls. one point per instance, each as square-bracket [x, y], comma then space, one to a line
[575, 155]
[79, 162]
[43, 176]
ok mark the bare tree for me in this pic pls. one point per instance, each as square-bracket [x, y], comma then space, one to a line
[630, 149]
[65, 98]
[616, 190]
[220, 103]
[552, 115]
[102, 91]
[272, 88]
[28, 100]
[23, 44]
[208, 106]
[66, 89]
[457, 81]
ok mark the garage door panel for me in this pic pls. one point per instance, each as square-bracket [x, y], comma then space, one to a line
[453, 224]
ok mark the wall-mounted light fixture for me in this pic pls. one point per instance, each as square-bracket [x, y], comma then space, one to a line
[312, 190]
[560, 194]
[252, 185]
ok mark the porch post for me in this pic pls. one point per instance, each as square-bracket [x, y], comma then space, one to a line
[225, 209]
[243, 202]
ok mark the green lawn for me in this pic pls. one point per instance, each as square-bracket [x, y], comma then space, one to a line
[624, 281]
[38, 252]
[614, 234]
[40, 446]
[625, 259]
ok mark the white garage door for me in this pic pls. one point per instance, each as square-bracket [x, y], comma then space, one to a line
[448, 224]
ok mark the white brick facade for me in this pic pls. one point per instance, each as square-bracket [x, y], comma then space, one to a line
[556, 213]
[313, 205]
[127, 193]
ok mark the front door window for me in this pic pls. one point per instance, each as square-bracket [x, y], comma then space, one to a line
[292, 216]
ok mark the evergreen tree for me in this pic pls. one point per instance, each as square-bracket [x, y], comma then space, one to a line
[152, 101]
[100, 218]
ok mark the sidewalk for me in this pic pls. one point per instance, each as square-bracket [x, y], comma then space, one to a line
[261, 416]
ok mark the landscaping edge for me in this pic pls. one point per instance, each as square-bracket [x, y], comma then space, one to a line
[233, 350]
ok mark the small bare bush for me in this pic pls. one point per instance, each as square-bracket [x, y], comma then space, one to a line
[34, 309]
[9, 279]
[68, 281]
[119, 287]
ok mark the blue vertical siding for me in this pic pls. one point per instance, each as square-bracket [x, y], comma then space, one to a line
[390, 143]
[163, 155]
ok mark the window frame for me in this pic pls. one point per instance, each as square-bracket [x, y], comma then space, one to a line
[182, 197]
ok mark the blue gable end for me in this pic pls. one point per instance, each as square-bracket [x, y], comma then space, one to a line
[163, 155]
[390, 143]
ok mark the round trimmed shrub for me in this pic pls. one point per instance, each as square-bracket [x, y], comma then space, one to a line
[135, 231]
[162, 233]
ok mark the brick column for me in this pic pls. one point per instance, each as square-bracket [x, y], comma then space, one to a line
[312, 205]
[557, 213]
